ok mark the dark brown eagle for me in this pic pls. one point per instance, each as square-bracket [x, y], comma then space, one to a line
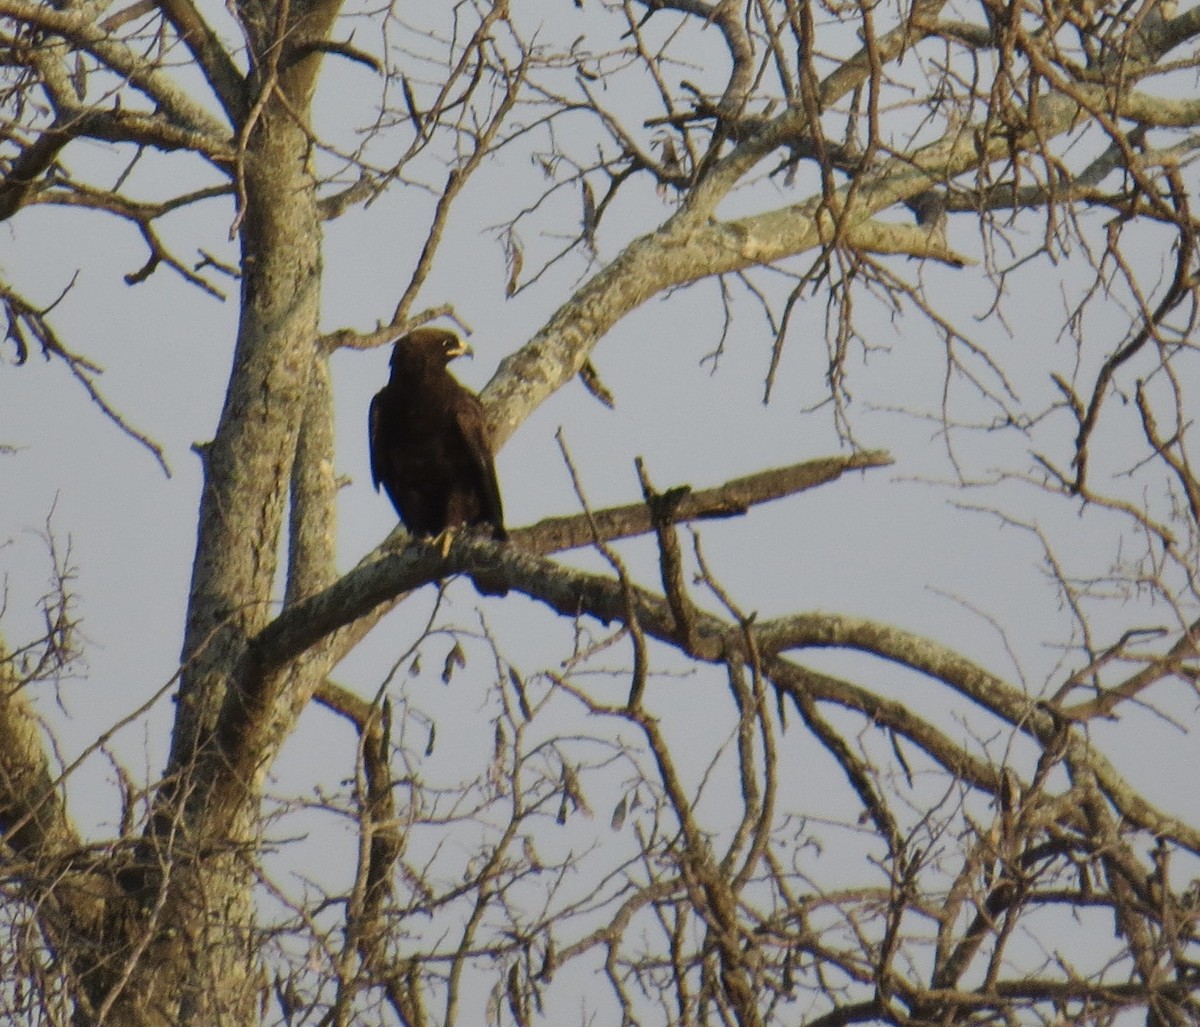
[430, 445]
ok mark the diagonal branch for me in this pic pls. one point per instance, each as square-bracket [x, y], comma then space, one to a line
[219, 70]
[24, 319]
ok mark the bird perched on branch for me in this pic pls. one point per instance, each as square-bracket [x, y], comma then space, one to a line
[430, 445]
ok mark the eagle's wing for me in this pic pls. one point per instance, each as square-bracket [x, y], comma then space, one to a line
[473, 429]
[374, 439]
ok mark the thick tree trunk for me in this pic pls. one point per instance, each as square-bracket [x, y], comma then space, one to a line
[248, 465]
[193, 880]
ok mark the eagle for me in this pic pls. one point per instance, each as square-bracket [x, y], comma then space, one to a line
[430, 445]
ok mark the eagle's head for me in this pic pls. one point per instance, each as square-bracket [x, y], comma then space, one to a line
[426, 347]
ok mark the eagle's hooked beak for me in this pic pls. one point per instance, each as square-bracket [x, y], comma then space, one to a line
[461, 350]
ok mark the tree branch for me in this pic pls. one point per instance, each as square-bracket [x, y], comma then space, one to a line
[385, 573]
[222, 75]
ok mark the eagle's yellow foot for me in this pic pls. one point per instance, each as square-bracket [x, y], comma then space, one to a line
[443, 540]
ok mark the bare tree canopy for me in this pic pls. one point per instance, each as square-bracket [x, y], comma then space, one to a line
[675, 782]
